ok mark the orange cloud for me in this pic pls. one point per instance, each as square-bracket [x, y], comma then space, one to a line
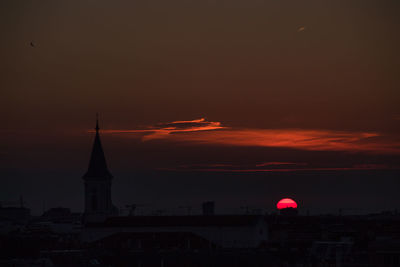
[201, 131]
[246, 169]
[165, 130]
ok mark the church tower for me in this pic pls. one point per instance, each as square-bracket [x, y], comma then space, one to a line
[98, 204]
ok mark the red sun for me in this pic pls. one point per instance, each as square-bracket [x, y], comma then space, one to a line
[286, 203]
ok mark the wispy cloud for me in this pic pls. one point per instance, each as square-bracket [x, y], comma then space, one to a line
[201, 131]
[166, 130]
[277, 163]
[292, 167]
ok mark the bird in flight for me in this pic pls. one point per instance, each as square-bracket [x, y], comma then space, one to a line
[300, 29]
[32, 44]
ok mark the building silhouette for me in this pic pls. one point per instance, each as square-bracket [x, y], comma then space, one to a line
[98, 180]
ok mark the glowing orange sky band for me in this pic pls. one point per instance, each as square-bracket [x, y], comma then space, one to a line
[202, 132]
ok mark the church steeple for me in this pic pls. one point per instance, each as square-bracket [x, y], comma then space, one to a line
[97, 164]
[97, 123]
[98, 203]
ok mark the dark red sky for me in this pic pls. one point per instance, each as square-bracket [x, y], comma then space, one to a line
[306, 87]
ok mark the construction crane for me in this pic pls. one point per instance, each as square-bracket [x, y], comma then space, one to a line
[246, 208]
[342, 210]
[132, 208]
[188, 209]
[15, 203]
[160, 212]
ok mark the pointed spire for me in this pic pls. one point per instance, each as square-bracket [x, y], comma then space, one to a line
[97, 165]
[97, 123]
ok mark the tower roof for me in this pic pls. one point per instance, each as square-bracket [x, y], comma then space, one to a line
[97, 165]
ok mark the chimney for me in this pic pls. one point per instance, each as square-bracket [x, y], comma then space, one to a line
[208, 208]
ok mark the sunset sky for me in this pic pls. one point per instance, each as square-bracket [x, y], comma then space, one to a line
[243, 102]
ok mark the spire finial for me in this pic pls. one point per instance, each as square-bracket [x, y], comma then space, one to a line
[97, 122]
